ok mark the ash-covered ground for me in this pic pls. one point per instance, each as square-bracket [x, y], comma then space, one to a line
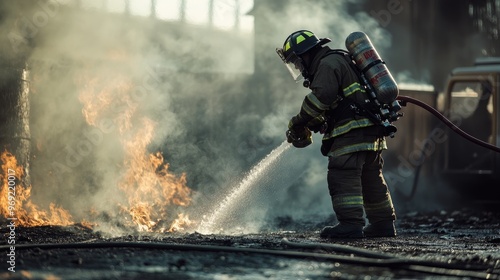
[461, 244]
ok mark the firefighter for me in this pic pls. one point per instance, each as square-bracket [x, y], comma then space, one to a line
[352, 143]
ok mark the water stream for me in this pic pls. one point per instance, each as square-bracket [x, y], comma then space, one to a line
[213, 222]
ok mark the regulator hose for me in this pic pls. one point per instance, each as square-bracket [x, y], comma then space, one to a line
[440, 268]
[446, 121]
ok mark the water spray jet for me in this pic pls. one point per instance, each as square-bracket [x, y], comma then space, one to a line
[214, 222]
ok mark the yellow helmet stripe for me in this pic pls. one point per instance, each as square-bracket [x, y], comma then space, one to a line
[287, 46]
[310, 34]
[300, 38]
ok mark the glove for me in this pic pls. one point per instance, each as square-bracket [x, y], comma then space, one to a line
[300, 137]
[318, 124]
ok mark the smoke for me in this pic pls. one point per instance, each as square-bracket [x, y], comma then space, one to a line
[86, 62]
[215, 112]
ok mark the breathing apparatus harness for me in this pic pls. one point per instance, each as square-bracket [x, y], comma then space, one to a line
[379, 113]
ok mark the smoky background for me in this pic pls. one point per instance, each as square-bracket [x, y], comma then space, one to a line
[219, 97]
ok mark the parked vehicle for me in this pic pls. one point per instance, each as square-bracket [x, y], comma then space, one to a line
[471, 101]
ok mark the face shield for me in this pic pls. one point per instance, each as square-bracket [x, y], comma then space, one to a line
[293, 63]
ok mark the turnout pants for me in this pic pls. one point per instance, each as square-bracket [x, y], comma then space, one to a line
[356, 183]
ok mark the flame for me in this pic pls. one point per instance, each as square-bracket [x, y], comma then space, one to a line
[151, 190]
[180, 223]
[153, 194]
[107, 100]
[15, 199]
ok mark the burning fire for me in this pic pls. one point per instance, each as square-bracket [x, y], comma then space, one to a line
[15, 199]
[151, 190]
[153, 194]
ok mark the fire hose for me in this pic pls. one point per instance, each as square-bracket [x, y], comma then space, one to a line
[370, 258]
[406, 99]
[448, 123]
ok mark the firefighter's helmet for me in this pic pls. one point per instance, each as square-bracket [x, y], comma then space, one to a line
[298, 43]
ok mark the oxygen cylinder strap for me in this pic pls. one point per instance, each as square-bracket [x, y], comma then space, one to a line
[371, 65]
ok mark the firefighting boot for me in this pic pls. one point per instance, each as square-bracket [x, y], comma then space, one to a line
[342, 231]
[380, 229]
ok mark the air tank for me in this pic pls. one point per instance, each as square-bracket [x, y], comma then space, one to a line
[372, 66]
